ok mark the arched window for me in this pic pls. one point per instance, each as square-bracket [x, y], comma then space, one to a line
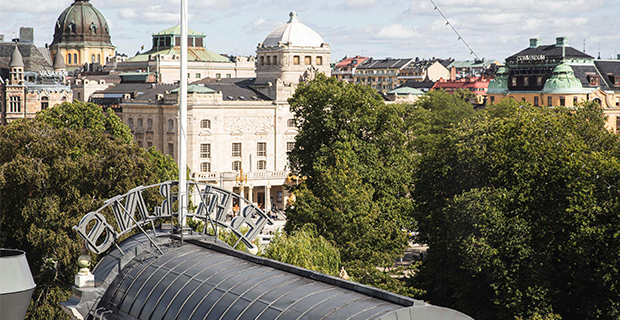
[75, 60]
[205, 124]
[99, 58]
[149, 123]
[69, 59]
[170, 125]
[130, 123]
[268, 60]
[275, 60]
[93, 58]
[262, 61]
[205, 167]
[290, 123]
[140, 123]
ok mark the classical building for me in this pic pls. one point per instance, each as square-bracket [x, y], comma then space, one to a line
[239, 129]
[81, 35]
[28, 82]
[345, 68]
[381, 75]
[162, 60]
[559, 75]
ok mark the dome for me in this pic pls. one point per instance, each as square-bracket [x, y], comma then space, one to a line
[499, 85]
[294, 33]
[81, 23]
[562, 80]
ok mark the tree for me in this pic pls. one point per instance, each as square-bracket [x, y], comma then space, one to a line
[520, 209]
[52, 172]
[305, 248]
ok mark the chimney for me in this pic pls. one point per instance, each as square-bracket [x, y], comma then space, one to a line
[535, 43]
[26, 35]
[561, 42]
[453, 73]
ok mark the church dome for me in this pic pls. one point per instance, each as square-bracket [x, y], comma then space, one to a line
[81, 23]
[293, 33]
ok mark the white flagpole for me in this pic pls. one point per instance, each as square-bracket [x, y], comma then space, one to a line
[183, 120]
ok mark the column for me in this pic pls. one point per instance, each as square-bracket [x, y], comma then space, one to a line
[250, 194]
[267, 197]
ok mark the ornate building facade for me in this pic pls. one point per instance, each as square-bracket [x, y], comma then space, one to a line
[239, 129]
[28, 83]
[82, 35]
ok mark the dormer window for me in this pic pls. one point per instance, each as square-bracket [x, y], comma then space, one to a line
[594, 80]
[72, 27]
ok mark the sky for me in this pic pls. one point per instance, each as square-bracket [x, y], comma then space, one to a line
[494, 29]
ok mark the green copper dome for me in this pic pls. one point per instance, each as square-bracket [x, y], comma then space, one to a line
[499, 85]
[82, 23]
[563, 80]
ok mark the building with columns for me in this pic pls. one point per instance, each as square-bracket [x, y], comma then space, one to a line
[81, 35]
[239, 129]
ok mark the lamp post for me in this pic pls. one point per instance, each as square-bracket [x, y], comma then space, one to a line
[183, 120]
[241, 179]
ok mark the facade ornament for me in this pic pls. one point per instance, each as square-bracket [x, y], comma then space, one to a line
[309, 74]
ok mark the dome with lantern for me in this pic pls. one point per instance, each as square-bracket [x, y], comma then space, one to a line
[293, 34]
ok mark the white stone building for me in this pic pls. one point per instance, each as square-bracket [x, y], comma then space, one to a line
[239, 129]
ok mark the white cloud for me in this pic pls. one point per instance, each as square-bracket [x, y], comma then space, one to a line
[213, 4]
[261, 25]
[361, 3]
[394, 32]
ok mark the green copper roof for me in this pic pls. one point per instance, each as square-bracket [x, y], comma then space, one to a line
[193, 54]
[499, 85]
[563, 80]
[406, 90]
[176, 30]
[194, 88]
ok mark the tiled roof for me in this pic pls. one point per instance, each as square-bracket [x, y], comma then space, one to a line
[235, 88]
[349, 61]
[193, 54]
[582, 72]
[385, 63]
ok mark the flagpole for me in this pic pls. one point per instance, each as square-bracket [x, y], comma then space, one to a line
[183, 120]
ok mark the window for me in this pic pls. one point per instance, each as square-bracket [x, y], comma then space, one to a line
[617, 123]
[307, 60]
[236, 165]
[492, 100]
[149, 124]
[514, 81]
[549, 101]
[262, 165]
[526, 81]
[218, 76]
[75, 58]
[617, 80]
[205, 167]
[236, 149]
[69, 58]
[295, 59]
[198, 76]
[205, 151]
[170, 125]
[536, 101]
[98, 58]
[290, 123]
[594, 81]
[205, 124]
[92, 58]
[290, 145]
[149, 144]
[261, 149]
[140, 123]
[45, 103]
[275, 60]
[130, 123]
[319, 61]
[268, 60]
[575, 101]
[170, 148]
[15, 104]
[262, 61]
[139, 143]
[228, 75]
[78, 95]
[562, 102]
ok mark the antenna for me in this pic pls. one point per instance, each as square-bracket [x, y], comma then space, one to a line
[471, 51]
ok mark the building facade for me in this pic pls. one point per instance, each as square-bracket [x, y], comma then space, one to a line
[559, 75]
[239, 129]
[344, 69]
[162, 60]
[28, 83]
[82, 35]
[382, 75]
[425, 70]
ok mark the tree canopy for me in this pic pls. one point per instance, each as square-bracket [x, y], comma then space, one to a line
[54, 169]
[519, 206]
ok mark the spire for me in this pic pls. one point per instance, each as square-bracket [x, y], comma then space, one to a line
[16, 58]
[59, 61]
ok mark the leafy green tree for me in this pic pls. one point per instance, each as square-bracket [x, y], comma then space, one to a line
[51, 174]
[519, 206]
[305, 248]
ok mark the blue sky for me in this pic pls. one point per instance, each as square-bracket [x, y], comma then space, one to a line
[495, 29]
